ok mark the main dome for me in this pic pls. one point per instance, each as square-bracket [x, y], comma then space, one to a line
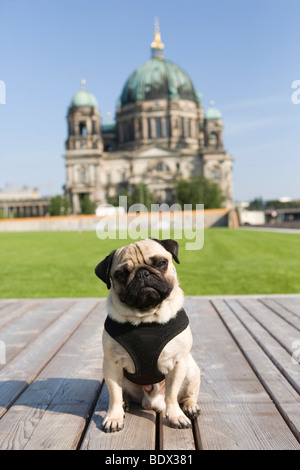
[158, 78]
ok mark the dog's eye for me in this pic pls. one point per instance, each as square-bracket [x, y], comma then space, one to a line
[121, 275]
[162, 263]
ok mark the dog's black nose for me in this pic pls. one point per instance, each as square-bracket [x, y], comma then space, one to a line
[142, 273]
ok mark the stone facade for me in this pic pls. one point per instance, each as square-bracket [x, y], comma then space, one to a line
[161, 134]
[23, 203]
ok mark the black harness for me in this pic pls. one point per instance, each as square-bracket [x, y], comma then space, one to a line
[144, 343]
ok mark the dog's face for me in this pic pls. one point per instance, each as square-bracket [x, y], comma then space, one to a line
[142, 274]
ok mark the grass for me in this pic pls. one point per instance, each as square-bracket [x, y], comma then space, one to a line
[61, 264]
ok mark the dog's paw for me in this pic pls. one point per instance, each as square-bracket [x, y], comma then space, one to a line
[178, 420]
[113, 424]
[192, 410]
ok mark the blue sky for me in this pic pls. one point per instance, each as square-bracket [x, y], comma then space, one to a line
[244, 54]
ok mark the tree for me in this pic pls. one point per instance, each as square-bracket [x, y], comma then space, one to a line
[141, 195]
[59, 205]
[199, 190]
[256, 205]
[87, 206]
[114, 200]
[276, 204]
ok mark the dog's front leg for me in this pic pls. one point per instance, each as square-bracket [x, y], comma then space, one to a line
[113, 374]
[174, 379]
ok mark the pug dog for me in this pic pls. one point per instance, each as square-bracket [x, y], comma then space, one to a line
[147, 339]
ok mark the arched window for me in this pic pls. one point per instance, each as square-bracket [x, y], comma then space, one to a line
[158, 130]
[128, 132]
[159, 166]
[82, 129]
[182, 127]
[168, 129]
[131, 131]
[189, 128]
[149, 128]
[82, 175]
[215, 173]
[213, 140]
[94, 127]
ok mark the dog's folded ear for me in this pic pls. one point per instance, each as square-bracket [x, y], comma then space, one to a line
[103, 269]
[171, 246]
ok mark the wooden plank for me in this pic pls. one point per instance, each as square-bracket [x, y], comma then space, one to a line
[138, 432]
[22, 370]
[287, 315]
[284, 333]
[4, 302]
[8, 317]
[237, 413]
[285, 397]
[52, 412]
[176, 439]
[8, 306]
[279, 356]
[23, 329]
[290, 303]
[54, 408]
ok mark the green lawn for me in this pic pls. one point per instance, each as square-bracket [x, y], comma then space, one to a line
[61, 264]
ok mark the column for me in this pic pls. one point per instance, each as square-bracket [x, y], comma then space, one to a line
[75, 203]
[136, 132]
[144, 128]
[153, 130]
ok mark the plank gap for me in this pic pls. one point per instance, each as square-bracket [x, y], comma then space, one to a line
[13, 387]
[159, 432]
[281, 369]
[17, 313]
[272, 396]
[197, 434]
[90, 415]
[285, 303]
[289, 351]
[262, 301]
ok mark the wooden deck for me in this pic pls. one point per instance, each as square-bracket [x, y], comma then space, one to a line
[52, 394]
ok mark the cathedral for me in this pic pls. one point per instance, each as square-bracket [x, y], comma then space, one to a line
[161, 133]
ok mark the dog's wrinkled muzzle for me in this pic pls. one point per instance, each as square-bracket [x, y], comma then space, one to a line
[146, 289]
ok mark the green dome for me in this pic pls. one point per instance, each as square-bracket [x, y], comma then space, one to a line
[158, 78]
[108, 126]
[84, 98]
[213, 113]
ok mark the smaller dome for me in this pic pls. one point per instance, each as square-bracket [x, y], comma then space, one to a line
[108, 126]
[84, 98]
[213, 113]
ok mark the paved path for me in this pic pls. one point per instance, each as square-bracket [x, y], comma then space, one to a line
[271, 229]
